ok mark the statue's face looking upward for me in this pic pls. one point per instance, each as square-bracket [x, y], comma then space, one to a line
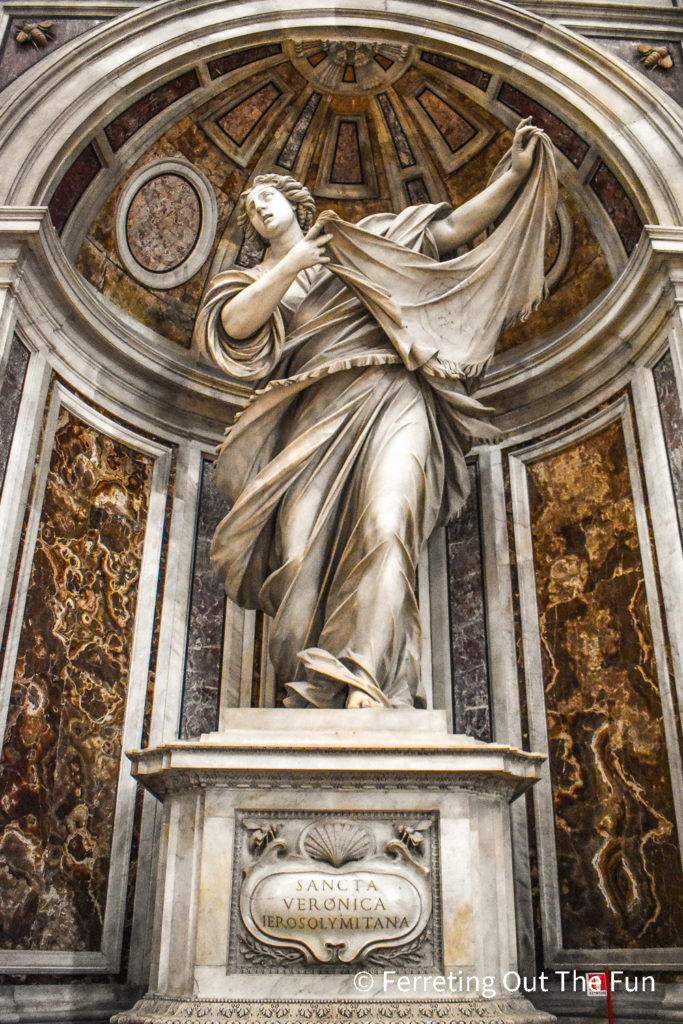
[269, 211]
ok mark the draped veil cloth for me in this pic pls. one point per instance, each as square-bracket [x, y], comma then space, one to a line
[339, 469]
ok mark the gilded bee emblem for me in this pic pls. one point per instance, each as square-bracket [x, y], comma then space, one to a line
[655, 57]
[37, 33]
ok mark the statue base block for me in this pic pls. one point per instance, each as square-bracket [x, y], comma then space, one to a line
[335, 866]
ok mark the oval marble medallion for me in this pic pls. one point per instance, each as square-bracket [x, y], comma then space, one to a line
[163, 222]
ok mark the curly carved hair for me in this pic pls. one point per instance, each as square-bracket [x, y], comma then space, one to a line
[294, 192]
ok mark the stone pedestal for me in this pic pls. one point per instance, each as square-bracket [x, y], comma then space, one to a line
[335, 866]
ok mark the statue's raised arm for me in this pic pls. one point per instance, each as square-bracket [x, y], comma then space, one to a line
[339, 469]
[469, 220]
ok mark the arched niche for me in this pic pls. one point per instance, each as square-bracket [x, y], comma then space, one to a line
[60, 108]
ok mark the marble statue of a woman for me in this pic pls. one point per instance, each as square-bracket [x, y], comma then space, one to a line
[341, 466]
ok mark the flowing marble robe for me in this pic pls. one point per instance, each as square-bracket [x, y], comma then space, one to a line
[341, 467]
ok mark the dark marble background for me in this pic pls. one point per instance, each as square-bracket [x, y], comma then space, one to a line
[672, 422]
[619, 864]
[670, 80]
[469, 660]
[15, 58]
[203, 659]
[11, 390]
[62, 745]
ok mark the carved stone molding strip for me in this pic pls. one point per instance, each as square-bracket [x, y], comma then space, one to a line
[155, 1009]
[333, 780]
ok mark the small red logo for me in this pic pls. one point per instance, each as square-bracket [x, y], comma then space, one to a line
[596, 984]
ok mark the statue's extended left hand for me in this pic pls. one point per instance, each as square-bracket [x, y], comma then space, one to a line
[523, 146]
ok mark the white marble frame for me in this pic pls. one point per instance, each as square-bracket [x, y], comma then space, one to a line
[483, 132]
[666, 531]
[366, 189]
[167, 702]
[506, 719]
[20, 465]
[243, 154]
[564, 252]
[107, 958]
[203, 243]
[556, 954]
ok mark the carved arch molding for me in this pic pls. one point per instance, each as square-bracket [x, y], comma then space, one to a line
[86, 129]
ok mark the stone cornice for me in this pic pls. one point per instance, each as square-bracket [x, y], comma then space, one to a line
[258, 759]
[606, 19]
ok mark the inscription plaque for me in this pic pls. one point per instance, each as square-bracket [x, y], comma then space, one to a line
[336, 892]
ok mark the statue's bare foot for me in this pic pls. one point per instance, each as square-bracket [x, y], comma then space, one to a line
[360, 699]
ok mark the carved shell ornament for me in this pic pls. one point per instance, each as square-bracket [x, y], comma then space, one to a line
[348, 65]
[337, 842]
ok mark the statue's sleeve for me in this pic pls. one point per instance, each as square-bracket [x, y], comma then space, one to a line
[251, 358]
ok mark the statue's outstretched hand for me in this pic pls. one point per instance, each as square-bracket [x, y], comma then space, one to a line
[523, 146]
[310, 250]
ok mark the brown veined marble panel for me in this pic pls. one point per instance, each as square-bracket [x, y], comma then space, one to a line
[203, 659]
[405, 155]
[72, 186]
[239, 122]
[456, 68]
[292, 146]
[347, 168]
[256, 677]
[619, 207]
[62, 745]
[453, 128]
[417, 191]
[143, 110]
[469, 660]
[566, 140]
[10, 396]
[618, 858]
[672, 421]
[240, 58]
